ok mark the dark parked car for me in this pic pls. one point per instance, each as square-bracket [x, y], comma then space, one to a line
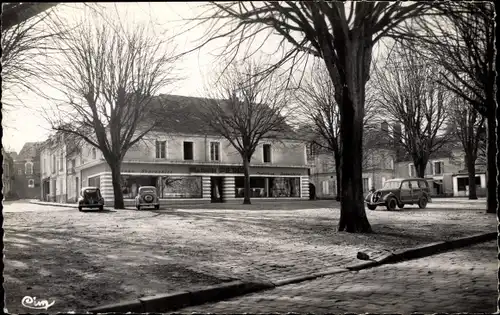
[147, 196]
[90, 197]
[400, 192]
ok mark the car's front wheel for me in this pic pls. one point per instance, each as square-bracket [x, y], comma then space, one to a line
[371, 207]
[401, 205]
[422, 203]
[80, 209]
[138, 207]
[391, 204]
[157, 207]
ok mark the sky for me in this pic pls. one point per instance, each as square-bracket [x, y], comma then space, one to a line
[26, 122]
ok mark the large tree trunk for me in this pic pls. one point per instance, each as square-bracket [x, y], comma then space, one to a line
[117, 188]
[352, 208]
[337, 175]
[471, 169]
[420, 168]
[491, 175]
[246, 172]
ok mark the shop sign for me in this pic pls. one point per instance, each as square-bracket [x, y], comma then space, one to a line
[280, 173]
[148, 171]
[216, 169]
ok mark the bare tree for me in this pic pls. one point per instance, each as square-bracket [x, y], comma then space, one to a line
[316, 103]
[468, 125]
[245, 109]
[411, 96]
[462, 41]
[109, 75]
[343, 36]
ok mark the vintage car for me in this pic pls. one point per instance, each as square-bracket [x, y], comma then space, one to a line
[400, 192]
[147, 196]
[90, 197]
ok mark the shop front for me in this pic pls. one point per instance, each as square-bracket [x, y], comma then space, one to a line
[208, 183]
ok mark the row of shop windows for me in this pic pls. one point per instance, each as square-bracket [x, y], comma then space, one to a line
[192, 187]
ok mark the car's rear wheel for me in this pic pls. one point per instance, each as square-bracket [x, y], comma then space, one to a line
[138, 207]
[372, 207]
[157, 207]
[422, 203]
[80, 209]
[391, 204]
[101, 208]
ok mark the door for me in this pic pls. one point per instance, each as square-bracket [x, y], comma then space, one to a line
[216, 188]
[77, 190]
[405, 192]
[416, 191]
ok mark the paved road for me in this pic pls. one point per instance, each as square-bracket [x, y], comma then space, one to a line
[26, 206]
[457, 281]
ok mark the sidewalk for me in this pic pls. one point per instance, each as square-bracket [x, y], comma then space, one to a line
[458, 200]
[459, 281]
[56, 204]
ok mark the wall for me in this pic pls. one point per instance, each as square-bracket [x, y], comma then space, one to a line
[286, 152]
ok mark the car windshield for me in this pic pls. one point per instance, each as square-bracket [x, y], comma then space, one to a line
[392, 184]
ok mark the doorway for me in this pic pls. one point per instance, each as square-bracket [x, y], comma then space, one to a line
[216, 188]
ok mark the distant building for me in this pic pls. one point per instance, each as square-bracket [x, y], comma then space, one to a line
[185, 160]
[7, 175]
[27, 171]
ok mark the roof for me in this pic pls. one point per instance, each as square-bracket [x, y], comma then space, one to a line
[29, 151]
[185, 115]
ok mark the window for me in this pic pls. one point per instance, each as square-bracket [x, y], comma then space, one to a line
[19, 172]
[411, 170]
[266, 150]
[214, 151]
[28, 168]
[463, 183]
[31, 183]
[188, 150]
[365, 184]
[325, 187]
[53, 166]
[161, 149]
[61, 162]
[405, 185]
[438, 168]
[94, 153]
[391, 163]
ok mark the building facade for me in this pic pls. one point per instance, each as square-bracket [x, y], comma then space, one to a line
[185, 166]
[27, 172]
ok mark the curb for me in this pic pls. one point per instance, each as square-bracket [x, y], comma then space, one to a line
[425, 250]
[70, 205]
[170, 302]
[312, 276]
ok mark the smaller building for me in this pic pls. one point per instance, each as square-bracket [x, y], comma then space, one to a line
[27, 172]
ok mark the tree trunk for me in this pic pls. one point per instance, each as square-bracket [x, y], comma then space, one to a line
[420, 168]
[246, 172]
[116, 181]
[352, 208]
[471, 169]
[491, 174]
[338, 177]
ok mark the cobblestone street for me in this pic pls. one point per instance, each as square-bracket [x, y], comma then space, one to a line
[458, 281]
[113, 255]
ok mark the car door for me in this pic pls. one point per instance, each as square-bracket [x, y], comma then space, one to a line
[416, 191]
[405, 191]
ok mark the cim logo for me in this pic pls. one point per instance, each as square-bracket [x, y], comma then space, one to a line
[33, 303]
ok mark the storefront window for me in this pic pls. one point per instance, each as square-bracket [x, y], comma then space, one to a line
[182, 187]
[131, 184]
[94, 181]
[262, 187]
[284, 187]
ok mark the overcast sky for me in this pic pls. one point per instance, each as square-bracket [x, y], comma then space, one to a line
[26, 123]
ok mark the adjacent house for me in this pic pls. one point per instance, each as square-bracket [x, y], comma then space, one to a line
[185, 160]
[7, 175]
[27, 171]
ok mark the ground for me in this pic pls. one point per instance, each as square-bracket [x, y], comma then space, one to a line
[457, 281]
[87, 259]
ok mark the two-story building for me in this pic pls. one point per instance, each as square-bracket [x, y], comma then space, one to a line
[446, 172]
[27, 171]
[187, 162]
